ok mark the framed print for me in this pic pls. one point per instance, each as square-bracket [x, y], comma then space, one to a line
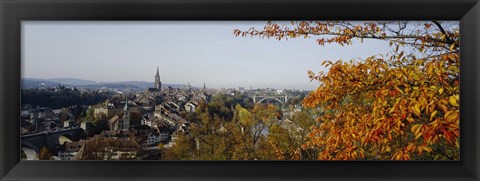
[265, 107]
[247, 90]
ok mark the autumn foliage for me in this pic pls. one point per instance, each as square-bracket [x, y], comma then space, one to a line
[231, 128]
[403, 105]
[45, 154]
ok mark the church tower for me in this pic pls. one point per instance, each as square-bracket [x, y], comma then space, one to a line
[158, 83]
[125, 125]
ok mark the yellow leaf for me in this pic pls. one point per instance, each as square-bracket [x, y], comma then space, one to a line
[453, 101]
[399, 75]
[416, 130]
[416, 110]
[410, 120]
[432, 115]
[427, 148]
[447, 114]
[452, 47]
[391, 110]
[418, 135]
[410, 146]
[440, 91]
[419, 149]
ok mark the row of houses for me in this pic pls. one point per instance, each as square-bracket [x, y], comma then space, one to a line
[42, 119]
[112, 145]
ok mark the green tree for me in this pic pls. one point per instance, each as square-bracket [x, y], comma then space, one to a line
[249, 129]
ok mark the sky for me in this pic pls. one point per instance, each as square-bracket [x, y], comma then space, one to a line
[185, 51]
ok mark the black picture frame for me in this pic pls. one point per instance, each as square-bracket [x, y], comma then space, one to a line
[12, 12]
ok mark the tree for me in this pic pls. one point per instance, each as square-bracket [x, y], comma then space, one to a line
[402, 105]
[249, 130]
[287, 138]
[89, 115]
[63, 97]
[45, 154]
[211, 137]
[97, 127]
[183, 149]
[64, 115]
[136, 117]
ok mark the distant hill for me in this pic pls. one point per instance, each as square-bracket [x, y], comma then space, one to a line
[28, 83]
[144, 84]
[56, 81]
[139, 84]
[34, 82]
[111, 86]
[72, 81]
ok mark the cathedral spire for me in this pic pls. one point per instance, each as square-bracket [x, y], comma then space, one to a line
[158, 83]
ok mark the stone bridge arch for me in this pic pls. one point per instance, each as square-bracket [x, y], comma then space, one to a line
[30, 153]
[69, 137]
[29, 145]
[282, 99]
[271, 98]
[50, 139]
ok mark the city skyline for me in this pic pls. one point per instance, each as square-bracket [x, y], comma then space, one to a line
[185, 52]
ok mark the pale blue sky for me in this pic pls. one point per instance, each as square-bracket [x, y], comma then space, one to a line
[185, 51]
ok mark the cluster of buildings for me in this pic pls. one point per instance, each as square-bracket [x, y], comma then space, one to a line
[42, 119]
[137, 121]
[160, 111]
[109, 145]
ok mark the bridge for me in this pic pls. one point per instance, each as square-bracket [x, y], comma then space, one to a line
[32, 143]
[282, 99]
